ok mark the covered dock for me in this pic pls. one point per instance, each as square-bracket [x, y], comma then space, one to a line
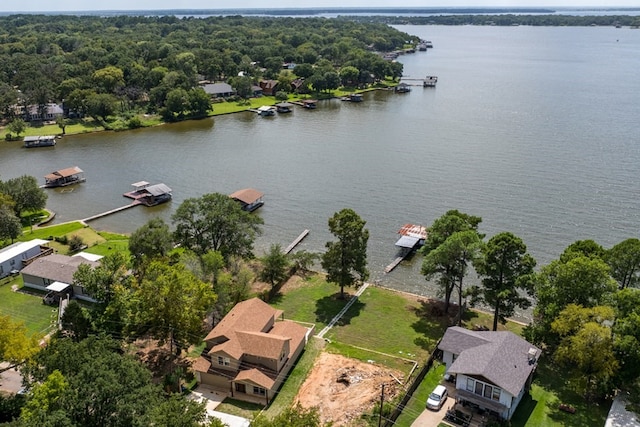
[39, 141]
[284, 107]
[249, 198]
[411, 238]
[149, 195]
[64, 177]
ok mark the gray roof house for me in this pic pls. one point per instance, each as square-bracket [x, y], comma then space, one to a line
[218, 90]
[493, 370]
[15, 257]
[44, 271]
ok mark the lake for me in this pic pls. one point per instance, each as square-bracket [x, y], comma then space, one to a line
[535, 129]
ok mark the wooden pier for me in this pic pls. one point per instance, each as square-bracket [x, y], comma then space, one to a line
[396, 262]
[295, 243]
[112, 211]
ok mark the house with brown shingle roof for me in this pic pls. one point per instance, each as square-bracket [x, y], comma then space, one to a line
[493, 370]
[250, 351]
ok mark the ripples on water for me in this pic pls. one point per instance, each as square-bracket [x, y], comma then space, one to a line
[534, 129]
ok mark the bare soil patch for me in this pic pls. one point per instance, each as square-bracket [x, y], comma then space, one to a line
[343, 389]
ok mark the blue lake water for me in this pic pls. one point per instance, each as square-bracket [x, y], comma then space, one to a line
[536, 130]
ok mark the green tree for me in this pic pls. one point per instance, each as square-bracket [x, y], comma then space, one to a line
[15, 344]
[105, 386]
[294, 416]
[450, 261]
[243, 86]
[586, 348]
[62, 123]
[26, 194]
[275, 265]
[170, 304]
[45, 400]
[626, 333]
[302, 261]
[303, 70]
[177, 102]
[10, 226]
[624, 260]
[151, 241]
[451, 222]
[199, 102]
[349, 75]
[17, 126]
[588, 248]
[345, 260]
[505, 268]
[76, 321]
[216, 222]
[102, 105]
[108, 78]
[100, 282]
[581, 280]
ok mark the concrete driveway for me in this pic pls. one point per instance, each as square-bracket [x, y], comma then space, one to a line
[430, 418]
[10, 380]
[212, 398]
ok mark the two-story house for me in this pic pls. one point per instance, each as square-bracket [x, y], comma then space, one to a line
[250, 351]
[492, 370]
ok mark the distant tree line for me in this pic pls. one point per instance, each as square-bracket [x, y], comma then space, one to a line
[121, 65]
[508, 19]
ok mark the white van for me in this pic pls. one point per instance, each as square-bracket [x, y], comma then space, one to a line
[437, 398]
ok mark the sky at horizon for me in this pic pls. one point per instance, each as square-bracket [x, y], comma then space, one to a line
[125, 5]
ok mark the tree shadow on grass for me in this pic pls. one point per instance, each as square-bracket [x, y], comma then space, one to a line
[431, 323]
[328, 307]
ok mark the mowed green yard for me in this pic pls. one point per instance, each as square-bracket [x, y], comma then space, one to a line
[27, 308]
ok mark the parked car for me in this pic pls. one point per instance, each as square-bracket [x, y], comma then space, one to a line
[437, 398]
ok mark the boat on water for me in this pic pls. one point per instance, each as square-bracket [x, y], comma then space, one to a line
[149, 195]
[353, 97]
[310, 104]
[250, 199]
[39, 141]
[284, 107]
[267, 110]
[430, 81]
[403, 88]
[64, 177]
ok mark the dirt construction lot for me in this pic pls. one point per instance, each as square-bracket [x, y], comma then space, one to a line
[343, 389]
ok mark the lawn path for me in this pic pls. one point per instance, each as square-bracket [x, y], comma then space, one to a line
[344, 310]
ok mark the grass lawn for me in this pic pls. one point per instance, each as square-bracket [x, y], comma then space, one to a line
[25, 308]
[312, 302]
[550, 389]
[416, 404]
[239, 408]
[391, 323]
[50, 231]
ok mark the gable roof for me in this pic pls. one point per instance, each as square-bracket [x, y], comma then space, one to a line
[64, 173]
[218, 88]
[501, 357]
[19, 248]
[250, 315]
[248, 195]
[56, 267]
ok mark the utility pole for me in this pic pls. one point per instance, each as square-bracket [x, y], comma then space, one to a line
[381, 404]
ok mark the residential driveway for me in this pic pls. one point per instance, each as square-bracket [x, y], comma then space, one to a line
[212, 398]
[430, 418]
[203, 394]
[10, 380]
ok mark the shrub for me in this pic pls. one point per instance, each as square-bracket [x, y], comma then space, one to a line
[134, 123]
[75, 243]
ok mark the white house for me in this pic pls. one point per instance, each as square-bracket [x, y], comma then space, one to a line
[493, 370]
[14, 257]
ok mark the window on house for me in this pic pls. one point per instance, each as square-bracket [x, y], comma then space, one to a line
[479, 387]
[470, 384]
[496, 393]
[240, 388]
[224, 361]
[488, 391]
[259, 390]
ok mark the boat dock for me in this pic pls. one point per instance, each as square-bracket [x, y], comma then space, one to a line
[295, 243]
[412, 237]
[428, 81]
[112, 211]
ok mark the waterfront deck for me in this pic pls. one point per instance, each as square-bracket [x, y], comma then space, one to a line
[296, 242]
